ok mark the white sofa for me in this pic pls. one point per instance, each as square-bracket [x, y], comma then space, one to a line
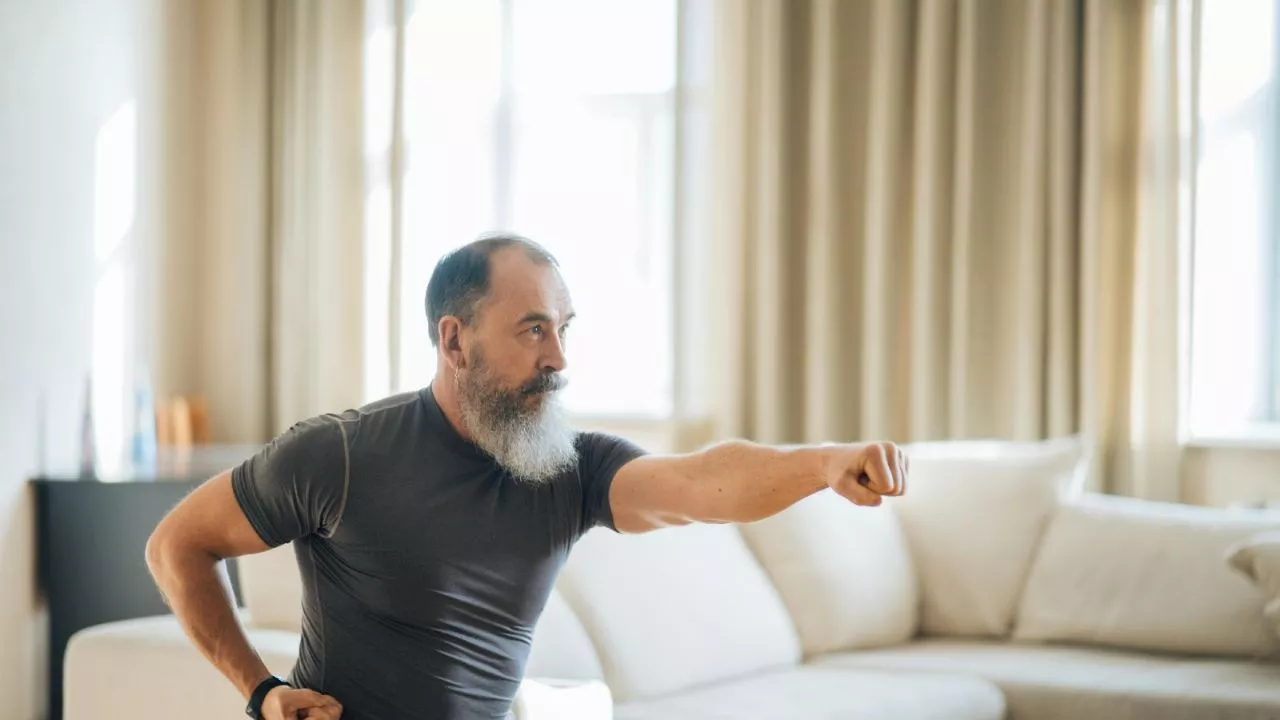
[994, 589]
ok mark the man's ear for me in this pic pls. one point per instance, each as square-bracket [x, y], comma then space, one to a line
[451, 342]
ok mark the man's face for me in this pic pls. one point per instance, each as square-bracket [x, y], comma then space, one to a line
[514, 356]
[521, 327]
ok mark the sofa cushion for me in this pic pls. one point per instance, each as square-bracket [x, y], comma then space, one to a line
[973, 515]
[674, 609]
[829, 693]
[1259, 559]
[1146, 575]
[562, 700]
[1047, 682]
[271, 588]
[561, 648]
[843, 571]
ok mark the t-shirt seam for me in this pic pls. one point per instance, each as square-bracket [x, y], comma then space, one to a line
[315, 592]
[590, 481]
[346, 477]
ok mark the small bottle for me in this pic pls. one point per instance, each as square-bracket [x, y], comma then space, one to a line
[144, 427]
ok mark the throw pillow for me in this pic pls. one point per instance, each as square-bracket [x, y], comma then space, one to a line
[1259, 559]
[1146, 575]
[843, 571]
[973, 515]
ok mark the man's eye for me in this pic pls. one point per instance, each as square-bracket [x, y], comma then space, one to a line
[536, 329]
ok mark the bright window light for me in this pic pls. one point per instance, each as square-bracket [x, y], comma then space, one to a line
[1235, 310]
[552, 119]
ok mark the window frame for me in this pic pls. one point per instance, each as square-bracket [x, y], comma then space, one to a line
[1271, 313]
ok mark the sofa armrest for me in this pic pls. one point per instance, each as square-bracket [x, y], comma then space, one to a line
[148, 668]
[556, 699]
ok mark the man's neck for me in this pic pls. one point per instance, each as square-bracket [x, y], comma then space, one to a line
[444, 388]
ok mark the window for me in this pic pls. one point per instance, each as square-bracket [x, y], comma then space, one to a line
[1235, 363]
[553, 119]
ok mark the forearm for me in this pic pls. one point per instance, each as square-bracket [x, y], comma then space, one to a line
[744, 482]
[194, 587]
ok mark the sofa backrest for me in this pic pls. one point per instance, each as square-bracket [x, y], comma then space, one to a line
[271, 588]
[676, 608]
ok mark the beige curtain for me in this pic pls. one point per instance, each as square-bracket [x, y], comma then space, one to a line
[1150, 464]
[259, 303]
[929, 220]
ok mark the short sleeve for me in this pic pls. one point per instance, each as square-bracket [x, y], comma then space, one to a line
[297, 484]
[599, 458]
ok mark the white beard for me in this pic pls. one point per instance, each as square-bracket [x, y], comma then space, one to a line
[533, 445]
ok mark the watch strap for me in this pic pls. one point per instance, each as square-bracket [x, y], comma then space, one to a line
[254, 708]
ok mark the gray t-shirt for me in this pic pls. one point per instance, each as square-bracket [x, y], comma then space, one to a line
[424, 564]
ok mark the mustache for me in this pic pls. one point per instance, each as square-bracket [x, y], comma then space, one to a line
[546, 382]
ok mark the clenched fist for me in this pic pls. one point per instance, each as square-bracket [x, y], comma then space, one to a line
[286, 703]
[865, 472]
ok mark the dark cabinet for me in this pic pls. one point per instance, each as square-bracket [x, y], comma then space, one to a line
[91, 538]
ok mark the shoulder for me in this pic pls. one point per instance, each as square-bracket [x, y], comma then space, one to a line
[600, 458]
[317, 435]
[595, 443]
[367, 422]
[601, 455]
[392, 404]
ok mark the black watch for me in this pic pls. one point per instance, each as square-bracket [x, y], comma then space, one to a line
[254, 708]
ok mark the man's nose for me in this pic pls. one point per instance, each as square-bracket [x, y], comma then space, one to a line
[553, 359]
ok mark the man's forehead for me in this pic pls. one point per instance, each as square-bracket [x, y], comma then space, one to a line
[520, 285]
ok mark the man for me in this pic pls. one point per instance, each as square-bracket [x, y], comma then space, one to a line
[429, 526]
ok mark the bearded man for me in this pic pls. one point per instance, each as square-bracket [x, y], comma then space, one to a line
[429, 526]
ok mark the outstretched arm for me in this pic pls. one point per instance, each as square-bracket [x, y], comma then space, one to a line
[739, 481]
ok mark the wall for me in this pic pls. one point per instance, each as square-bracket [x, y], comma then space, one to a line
[67, 68]
[1223, 475]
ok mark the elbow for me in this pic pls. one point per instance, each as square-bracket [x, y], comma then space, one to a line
[157, 553]
[164, 551]
[161, 562]
[156, 557]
